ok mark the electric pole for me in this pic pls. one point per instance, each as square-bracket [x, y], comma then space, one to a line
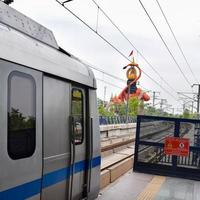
[104, 96]
[187, 99]
[154, 97]
[162, 101]
[192, 106]
[198, 98]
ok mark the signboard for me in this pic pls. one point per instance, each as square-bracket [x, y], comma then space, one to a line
[176, 146]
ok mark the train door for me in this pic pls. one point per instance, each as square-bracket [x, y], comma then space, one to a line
[78, 123]
[20, 132]
[56, 107]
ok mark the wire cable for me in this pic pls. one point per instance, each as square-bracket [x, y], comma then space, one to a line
[112, 22]
[177, 42]
[109, 83]
[113, 47]
[165, 44]
[110, 75]
[104, 72]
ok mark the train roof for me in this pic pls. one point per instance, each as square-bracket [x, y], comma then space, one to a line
[24, 41]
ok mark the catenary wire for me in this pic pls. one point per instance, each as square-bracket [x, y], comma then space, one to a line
[110, 75]
[109, 83]
[165, 44]
[121, 32]
[106, 73]
[114, 48]
[177, 42]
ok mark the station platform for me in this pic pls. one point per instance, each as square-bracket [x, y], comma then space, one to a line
[139, 186]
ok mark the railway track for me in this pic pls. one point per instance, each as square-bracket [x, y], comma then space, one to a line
[119, 160]
[149, 152]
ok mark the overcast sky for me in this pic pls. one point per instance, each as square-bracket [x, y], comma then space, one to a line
[73, 36]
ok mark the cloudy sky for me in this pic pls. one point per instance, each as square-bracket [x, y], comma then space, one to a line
[129, 16]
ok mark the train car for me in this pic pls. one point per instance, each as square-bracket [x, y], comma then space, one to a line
[49, 127]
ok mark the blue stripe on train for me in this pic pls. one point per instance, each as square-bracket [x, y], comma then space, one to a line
[22, 191]
[55, 177]
[32, 188]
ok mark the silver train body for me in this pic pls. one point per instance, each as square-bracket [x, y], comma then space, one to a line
[49, 129]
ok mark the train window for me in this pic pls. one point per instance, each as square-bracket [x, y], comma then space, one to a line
[78, 115]
[21, 115]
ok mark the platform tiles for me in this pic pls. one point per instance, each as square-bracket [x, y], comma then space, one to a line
[138, 186]
[127, 187]
[179, 189]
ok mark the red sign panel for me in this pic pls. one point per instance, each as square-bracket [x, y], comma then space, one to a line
[176, 146]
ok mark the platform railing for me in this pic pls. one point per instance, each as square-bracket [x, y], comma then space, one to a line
[149, 147]
[193, 158]
[116, 120]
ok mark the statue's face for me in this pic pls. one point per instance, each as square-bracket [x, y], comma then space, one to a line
[131, 74]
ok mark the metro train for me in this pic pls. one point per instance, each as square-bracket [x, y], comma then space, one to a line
[49, 135]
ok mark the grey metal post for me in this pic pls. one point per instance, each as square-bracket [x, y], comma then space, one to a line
[127, 104]
[192, 106]
[154, 96]
[161, 103]
[198, 99]
[104, 96]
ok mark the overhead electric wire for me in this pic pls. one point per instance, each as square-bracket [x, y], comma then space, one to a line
[102, 71]
[177, 42]
[112, 46]
[112, 22]
[109, 83]
[114, 85]
[115, 77]
[165, 44]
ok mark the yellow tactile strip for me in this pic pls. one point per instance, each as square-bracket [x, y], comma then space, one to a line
[152, 188]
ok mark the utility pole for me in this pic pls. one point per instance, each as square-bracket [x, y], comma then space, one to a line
[127, 104]
[104, 96]
[154, 97]
[184, 96]
[192, 106]
[198, 98]
[183, 107]
[162, 101]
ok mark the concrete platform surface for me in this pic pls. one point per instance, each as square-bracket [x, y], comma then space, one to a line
[138, 186]
[127, 187]
[179, 189]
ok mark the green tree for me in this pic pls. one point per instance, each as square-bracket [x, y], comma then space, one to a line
[133, 106]
[186, 114]
[103, 112]
[122, 109]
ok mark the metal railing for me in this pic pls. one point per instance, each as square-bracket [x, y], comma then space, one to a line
[116, 120]
[150, 156]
